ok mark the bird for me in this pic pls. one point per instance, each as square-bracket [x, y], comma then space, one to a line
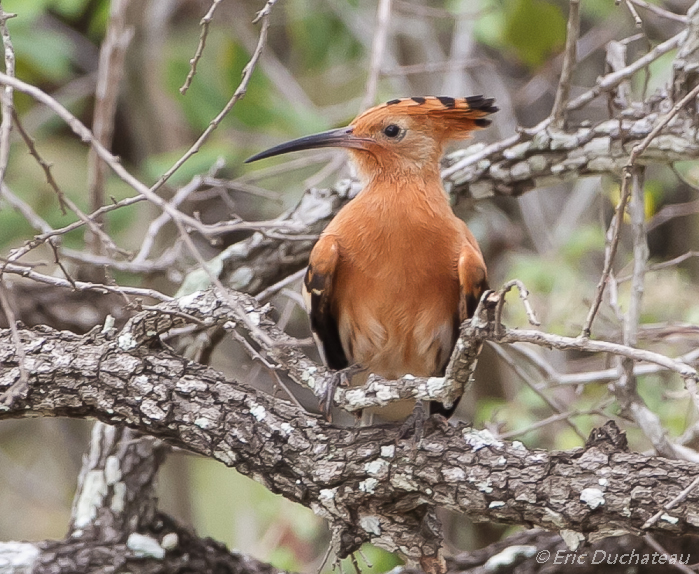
[395, 272]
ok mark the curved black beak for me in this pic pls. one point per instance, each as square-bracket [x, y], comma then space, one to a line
[341, 137]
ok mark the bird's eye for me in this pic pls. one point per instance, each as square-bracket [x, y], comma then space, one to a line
[391, 131]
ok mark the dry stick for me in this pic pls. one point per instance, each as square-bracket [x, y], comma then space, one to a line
[672, 262]
[658, 11]
[29, 273]
[57, 261]
[263, 16]
[550, 420]
[109, 74]
[619, 212]
[522, 374]
[17, 388]
[634, 14]
[674, 502]
[437, 67]
[673, 210]
[523, 295]
[63, 200]
[272, 289]
[6, 98]
[569, 61]
[602, 376]
[612, 80]
[583, 344]
[204, 23]
[34, 219]
[149, 240]
[640, 256]
[378, 47]
[50, 234]
[86, 135]
[45, 166]
[243, 188]
[165, 261]
[625, 387]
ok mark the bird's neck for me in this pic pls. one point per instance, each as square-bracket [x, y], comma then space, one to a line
[391, 190]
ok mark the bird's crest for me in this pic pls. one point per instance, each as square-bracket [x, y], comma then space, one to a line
[456, 116]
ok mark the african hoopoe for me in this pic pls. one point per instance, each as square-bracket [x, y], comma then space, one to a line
[395, 272]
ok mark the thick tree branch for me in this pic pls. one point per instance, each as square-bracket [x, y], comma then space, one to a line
[366, 485]
[166, 547]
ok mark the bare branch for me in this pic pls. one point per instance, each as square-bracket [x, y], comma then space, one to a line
[6, 98]
[569, 61]
[334, 469]
[204, 23]
[614, 229]
[378, 46]
[109, 74]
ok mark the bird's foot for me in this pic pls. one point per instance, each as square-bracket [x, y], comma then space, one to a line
[339, 378]
[418, 421]
[414, 424]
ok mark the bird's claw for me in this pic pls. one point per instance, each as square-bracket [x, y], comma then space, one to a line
[414, 424]
[418, 421]
[339, 378]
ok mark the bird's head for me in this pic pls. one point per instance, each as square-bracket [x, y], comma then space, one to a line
[399, 136]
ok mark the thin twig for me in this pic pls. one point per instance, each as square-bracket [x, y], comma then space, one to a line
[634, 14]
[592, 346]
[272, 289]
[263, 16]
[662, 12]
[522, 374]
[34, 219]
[6, 97]
[243, 188]
[51, 235]
[670, 505]
[114, 163]
[166, 261]
[614, 229]
[625, 387]
[569, 61]
[205, 22]
[109, 75]
[63, 199]
[650, 539]
[286, 389]
[549, 420]
[436, 67]
[603, 84]
[29, 273]
[154, 228]
[378, 47]
[523, 295]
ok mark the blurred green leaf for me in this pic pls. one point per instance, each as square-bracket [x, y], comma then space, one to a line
[534, 29]
[47, 55]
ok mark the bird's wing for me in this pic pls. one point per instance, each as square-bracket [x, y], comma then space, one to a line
[318, 296]
[473, 277]
[473, 281]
